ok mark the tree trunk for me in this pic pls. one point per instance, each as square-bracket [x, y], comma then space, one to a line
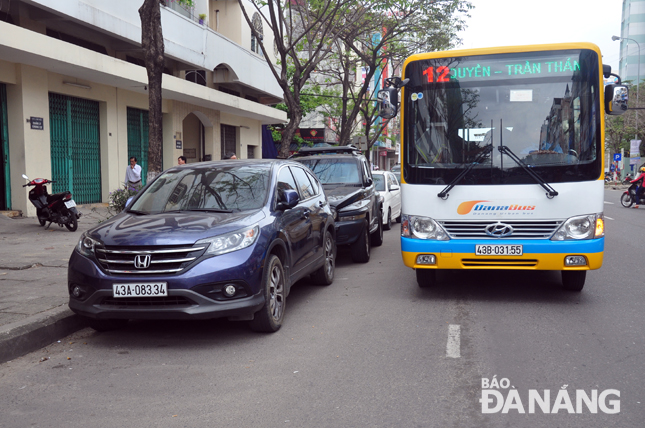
[153, 48]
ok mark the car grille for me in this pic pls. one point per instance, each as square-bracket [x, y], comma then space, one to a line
[147, 260]
[146, 301]
[535, 229]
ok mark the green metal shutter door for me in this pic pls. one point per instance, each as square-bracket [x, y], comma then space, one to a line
[138, 139]
[75, 147]
[5, 183]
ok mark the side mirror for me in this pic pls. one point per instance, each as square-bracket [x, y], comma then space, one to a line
[25, 176]
[394, 187]
[616, 97]
[388, 102]
[288, 199]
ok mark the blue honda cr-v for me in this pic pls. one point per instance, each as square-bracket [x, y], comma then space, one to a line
[207, 240]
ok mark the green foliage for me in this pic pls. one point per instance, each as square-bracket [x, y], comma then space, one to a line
[118, 198]
[187, 3]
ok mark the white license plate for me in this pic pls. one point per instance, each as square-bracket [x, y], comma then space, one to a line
[498, 250]
[147, 289]
[70, 203]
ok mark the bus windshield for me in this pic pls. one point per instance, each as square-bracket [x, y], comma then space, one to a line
[543, 106]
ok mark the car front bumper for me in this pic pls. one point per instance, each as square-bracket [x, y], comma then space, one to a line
[192, 294]
[348, 232]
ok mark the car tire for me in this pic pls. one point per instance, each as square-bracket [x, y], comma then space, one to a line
[325, 275]
[376, 239]
[574, 280]
[107, 325]
[626, 200]
[361, 248]
[388, 223]
[426, 278]
[269, 318]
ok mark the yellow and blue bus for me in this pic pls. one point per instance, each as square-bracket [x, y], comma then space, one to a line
[502, 159]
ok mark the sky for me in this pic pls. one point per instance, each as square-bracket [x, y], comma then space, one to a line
[521, 22]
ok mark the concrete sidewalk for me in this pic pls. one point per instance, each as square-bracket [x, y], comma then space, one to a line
[33, 281]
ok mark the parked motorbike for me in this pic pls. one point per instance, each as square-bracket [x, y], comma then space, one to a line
[628, 198]
[59, 208]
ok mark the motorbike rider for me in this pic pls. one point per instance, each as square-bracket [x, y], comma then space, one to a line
[641, 188]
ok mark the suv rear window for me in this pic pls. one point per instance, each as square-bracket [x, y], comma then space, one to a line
[334, 171]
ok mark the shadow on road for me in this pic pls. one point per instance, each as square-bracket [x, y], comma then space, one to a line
[502, 286]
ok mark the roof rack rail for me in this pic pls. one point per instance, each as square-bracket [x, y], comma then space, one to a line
[308, 151]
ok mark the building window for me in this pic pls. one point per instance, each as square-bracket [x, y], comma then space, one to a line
[229, 139]
[196, 76]
[257, 24]
[250, 152]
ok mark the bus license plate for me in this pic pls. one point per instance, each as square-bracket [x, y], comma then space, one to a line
[148, 289]
[70, 203]
[498, 250]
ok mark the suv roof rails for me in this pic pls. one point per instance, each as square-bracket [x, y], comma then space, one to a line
[308, 151]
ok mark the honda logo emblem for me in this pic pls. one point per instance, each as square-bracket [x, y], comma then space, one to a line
[499, 230]
[142, 261]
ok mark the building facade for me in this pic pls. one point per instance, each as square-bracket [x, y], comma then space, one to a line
[74, 101]
[632, 33]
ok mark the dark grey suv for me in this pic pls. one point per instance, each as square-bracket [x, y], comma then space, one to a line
[357, 206]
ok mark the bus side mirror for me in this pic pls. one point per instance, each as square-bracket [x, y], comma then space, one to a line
[616, 97]
[388, 102]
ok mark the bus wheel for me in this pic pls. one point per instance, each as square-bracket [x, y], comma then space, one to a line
[573, 280]
[426, 277]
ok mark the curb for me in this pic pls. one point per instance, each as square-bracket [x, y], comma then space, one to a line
[38, 331]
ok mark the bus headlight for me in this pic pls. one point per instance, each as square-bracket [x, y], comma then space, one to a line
[422, 228]
[581, 227]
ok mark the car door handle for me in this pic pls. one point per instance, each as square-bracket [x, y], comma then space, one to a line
[305, 214]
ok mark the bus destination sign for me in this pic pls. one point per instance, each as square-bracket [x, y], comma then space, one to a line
[501, 70]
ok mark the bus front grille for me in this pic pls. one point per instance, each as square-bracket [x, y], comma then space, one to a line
[534, 229]
[492, 263]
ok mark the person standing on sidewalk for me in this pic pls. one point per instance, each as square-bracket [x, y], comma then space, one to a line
[133, 173]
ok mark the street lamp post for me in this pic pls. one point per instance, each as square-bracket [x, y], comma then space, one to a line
[638, 82]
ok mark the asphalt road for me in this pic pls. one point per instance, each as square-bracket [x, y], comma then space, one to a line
[371, 350]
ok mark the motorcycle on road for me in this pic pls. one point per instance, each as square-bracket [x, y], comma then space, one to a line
[59, 208]
[628, 198]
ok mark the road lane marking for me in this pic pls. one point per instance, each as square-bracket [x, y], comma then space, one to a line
[454, 342]
[609, 203]
[608, 218]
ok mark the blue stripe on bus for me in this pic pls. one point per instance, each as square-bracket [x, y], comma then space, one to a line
[529, 246]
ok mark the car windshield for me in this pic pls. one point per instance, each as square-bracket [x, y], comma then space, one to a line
[379, 181]
[217, 189]
[334, 171]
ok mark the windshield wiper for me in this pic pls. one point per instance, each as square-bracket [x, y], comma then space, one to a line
[550, 191]
[444, 193]
[138, 212]
[209, 210]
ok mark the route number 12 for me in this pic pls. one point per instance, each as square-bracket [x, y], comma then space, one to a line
[441, 74]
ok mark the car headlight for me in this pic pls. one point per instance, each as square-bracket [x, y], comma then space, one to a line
[231, 241]
[419, 227]
[86, 245]
[581, 227]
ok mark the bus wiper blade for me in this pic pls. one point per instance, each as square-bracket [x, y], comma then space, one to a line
[550, 191]
[444, 193]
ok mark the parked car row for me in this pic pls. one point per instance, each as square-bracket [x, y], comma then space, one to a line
[230, 238]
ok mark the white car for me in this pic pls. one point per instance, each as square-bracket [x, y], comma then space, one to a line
[388, 187]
